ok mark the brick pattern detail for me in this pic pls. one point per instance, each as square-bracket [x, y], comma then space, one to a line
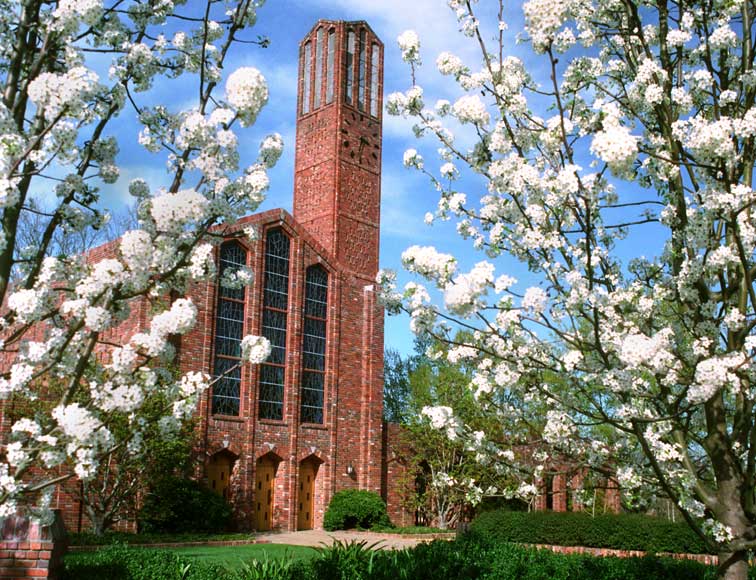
[28, 550]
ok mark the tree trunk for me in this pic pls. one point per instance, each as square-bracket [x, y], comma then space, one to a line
[733, 566]
[100, 523]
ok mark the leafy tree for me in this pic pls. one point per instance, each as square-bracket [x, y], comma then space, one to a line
[396, 391]
[128, 473]
[444, 480]
[609, 120]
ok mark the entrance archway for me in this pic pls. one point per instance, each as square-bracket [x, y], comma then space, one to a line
[265, 478]
[308, 471]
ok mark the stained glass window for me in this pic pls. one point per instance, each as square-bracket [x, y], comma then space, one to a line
[349, 65]
[361, 73]
[329, 65]
[229, 330]
[374, 64]
[275, 306]
[314, 344]
[306, 78]
[318, 67]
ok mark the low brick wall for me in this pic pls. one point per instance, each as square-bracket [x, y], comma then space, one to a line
[29, 550]
[708, 559]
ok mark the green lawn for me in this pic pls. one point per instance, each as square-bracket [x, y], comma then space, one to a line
[232, 556]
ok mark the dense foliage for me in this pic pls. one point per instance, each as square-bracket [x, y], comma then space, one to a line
[183, 505]
[472, 558]
[355, 508]
[621, 532]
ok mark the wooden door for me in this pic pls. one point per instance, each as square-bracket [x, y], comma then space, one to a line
[264, 486]
[306, 493]
[218, 473]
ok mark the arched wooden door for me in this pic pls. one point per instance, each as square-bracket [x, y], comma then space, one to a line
[218, 473]
[308, 469]
[264, 488]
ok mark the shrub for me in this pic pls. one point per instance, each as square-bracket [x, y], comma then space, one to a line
[621, 531]
[121, 563]
[355, 508]
[182, 505]
[478, 559]
[266, 568]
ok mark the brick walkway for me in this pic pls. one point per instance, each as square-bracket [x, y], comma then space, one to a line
[321, 537]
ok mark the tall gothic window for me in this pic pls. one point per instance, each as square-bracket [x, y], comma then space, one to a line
[314, 344]
[229, 329]
[318, 67]
[362, 72]
[375, 60]
[275, 306]
[306, 66]
[329, 65]
[349, 65]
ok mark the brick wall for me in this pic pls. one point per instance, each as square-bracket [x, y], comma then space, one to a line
[396, 451]
[28, 550]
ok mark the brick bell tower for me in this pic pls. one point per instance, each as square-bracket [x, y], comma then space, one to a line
[337, 198]
[337, 176]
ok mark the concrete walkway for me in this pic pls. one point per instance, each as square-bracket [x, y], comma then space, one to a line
[317, 538]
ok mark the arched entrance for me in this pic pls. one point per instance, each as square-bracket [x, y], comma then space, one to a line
[308, 471]
[265, 478]
[219, 468]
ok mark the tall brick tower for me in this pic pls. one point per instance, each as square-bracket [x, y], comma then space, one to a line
[337, 195]
[337, 180]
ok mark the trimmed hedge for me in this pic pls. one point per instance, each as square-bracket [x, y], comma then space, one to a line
[355, 508]
[122, 563]
[111, 537]
[620, 532]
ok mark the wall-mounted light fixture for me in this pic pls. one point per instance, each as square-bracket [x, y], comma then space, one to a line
[226, 443]
[350, 470]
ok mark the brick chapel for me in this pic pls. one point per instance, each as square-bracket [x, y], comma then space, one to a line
[280, 438]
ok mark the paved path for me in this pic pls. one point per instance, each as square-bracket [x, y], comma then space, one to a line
[321, 537]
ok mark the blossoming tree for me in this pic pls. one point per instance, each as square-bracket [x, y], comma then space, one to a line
[630, 120]
[65, 384]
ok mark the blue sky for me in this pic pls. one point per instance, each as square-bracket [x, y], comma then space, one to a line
[406, 195]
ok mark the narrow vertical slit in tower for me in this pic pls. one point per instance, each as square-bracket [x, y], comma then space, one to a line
[349, 66]
[318, 67]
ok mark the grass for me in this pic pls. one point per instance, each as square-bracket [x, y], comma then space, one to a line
[88, 539]
[233, 556]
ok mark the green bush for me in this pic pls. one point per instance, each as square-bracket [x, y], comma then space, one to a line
[477, 559]
[178, 505]
[621, 531]
[121, 563]
[355, 508]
